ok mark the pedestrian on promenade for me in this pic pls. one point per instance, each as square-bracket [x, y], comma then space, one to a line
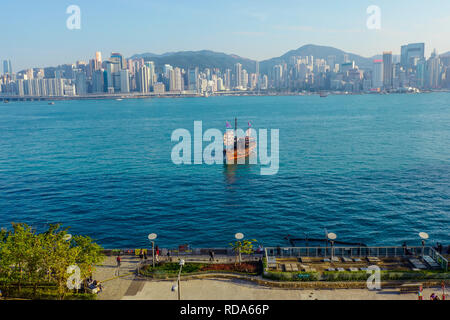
[420, 293]
[260, 249]
[145, 255]
[141, 255]
[157, 253]
[168, 256]
[118, 260]
[211, 255]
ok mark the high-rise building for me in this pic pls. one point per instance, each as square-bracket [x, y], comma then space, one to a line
[387, 69]
[377, 74]
[433, 71]
[112, 69]
[119, 59]
[7, 69]
[278, 75]
[421, 73]
[143, 79]
[257, 74]
[244, 79]
[151, 73]
[411, 54]
[80, 83]
[193, 84]
[98, 57]
[228, 79]
[98, 81]
[177, 81]
[238, 75]
[124, 81]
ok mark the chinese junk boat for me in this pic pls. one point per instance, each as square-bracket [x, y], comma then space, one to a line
[236, 147]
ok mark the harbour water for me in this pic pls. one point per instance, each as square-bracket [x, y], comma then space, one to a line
[370, 168]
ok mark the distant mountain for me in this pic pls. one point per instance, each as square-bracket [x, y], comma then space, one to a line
[202, 59]
[321, 52]
[210, 59]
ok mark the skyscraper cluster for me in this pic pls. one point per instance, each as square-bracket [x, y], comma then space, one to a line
[339, 73]
[118, 75]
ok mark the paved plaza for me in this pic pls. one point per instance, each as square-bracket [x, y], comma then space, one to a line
[127, 286]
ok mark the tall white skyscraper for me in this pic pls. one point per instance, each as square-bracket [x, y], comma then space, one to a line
[143, 79]
[238, 75]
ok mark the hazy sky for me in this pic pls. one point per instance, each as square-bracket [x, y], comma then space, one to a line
[34, 33]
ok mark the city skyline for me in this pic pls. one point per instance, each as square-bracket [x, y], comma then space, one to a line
[241, 28]
[313, 70]
[395, 53]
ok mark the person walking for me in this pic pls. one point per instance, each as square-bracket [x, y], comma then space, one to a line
[211, 255]
[157, 253]
[118, 260]
[141, 255]
[420, 293]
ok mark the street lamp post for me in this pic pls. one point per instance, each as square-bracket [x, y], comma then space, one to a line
[177, 286]
[152, 237]
[332, 236]
[239, 236]
[424, 237]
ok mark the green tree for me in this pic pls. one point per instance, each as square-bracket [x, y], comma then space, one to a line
[60, 255]
[35, 261]
[90, 254]
[242, 246]
[18, 248]
[26, 256]
[6, 262]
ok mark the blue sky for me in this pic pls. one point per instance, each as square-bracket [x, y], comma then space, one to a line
[34, 33]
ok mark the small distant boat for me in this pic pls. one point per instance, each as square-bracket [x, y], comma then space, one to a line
[119, 99]
[51, 103]
[323, 94]
[5, 101]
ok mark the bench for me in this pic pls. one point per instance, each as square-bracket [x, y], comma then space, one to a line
[345, 259]
[335, 259]
[373, 259]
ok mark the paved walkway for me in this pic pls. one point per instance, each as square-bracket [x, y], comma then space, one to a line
[128, 287]
[115, 287]
[225, 289]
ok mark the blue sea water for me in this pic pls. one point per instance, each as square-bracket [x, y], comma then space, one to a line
[371, 168]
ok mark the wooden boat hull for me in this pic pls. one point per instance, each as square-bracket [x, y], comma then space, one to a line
[230, 155]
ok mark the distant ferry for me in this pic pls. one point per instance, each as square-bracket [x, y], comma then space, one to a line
[237, 148]
[323, 94]
[119, 99]
[51, 103]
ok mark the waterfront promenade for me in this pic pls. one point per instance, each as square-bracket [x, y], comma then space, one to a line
[128, 286]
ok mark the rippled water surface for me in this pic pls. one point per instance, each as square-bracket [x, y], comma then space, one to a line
[371, 168]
